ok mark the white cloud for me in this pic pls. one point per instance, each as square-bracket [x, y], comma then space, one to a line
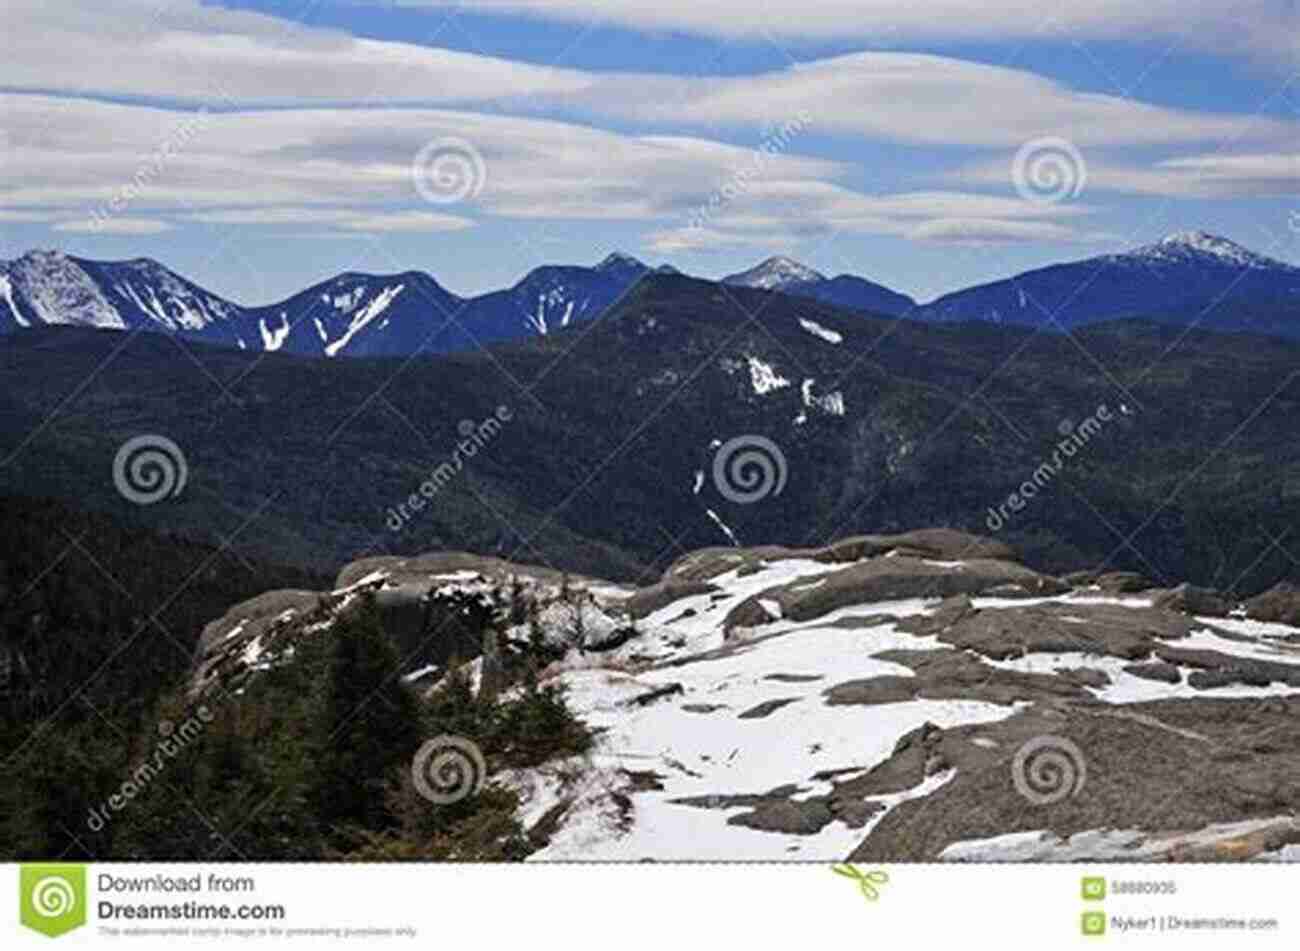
[113, 226]
[981, 231]
[1225, 175]
[183, 50]
[920, 98]
[21, 217]
[180, 50]
[1257, 27]
[345, 219]
[350, 170]
[79, 153]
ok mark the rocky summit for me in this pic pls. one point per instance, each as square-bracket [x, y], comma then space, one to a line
[922, 696]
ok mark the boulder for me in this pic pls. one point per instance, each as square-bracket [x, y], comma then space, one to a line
[1189, 599]
[767, 708]
[707, 563]
[648, 600]
[1111, 582]
[900, 578]
[1279, 605]
[748, 613]
[1156, 670]
[1084, 676]
[255, 615]
[1052, 628]
[788, 816]
[1144, 770]
[940, 544]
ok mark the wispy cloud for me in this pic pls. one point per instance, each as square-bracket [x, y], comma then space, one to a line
[112, 226]
[923, 99]
[1263, 28]
[351, 169]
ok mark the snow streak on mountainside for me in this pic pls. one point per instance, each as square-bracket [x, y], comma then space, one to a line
[552, 298]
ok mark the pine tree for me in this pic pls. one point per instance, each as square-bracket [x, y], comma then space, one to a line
[369, 726]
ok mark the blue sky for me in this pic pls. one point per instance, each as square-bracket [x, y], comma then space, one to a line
[262, 146]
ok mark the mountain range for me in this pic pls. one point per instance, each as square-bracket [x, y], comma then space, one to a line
[1186, 278]
[607, 459]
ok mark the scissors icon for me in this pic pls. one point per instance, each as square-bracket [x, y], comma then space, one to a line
[867, 881]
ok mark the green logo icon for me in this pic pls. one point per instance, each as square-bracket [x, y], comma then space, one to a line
[1094, 888]
[868, 882]
[1094, 923]
[52, 898]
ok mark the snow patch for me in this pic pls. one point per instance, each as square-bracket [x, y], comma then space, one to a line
[377, 306]
[817, 330]
[273, 340]
[764, 378]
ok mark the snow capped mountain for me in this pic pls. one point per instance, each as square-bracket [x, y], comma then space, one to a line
[1186, 278]
[552, 297]
[173, 302]
[1200, 247]
[50, 287]
[846, 290]
[619, 261]
[361, 315]
[775, 274]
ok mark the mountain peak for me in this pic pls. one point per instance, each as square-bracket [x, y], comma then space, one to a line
[774, 274]
[44, 254]
[619, 260]
[1202, 245]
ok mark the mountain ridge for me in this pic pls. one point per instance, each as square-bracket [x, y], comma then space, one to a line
[1185, 277]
